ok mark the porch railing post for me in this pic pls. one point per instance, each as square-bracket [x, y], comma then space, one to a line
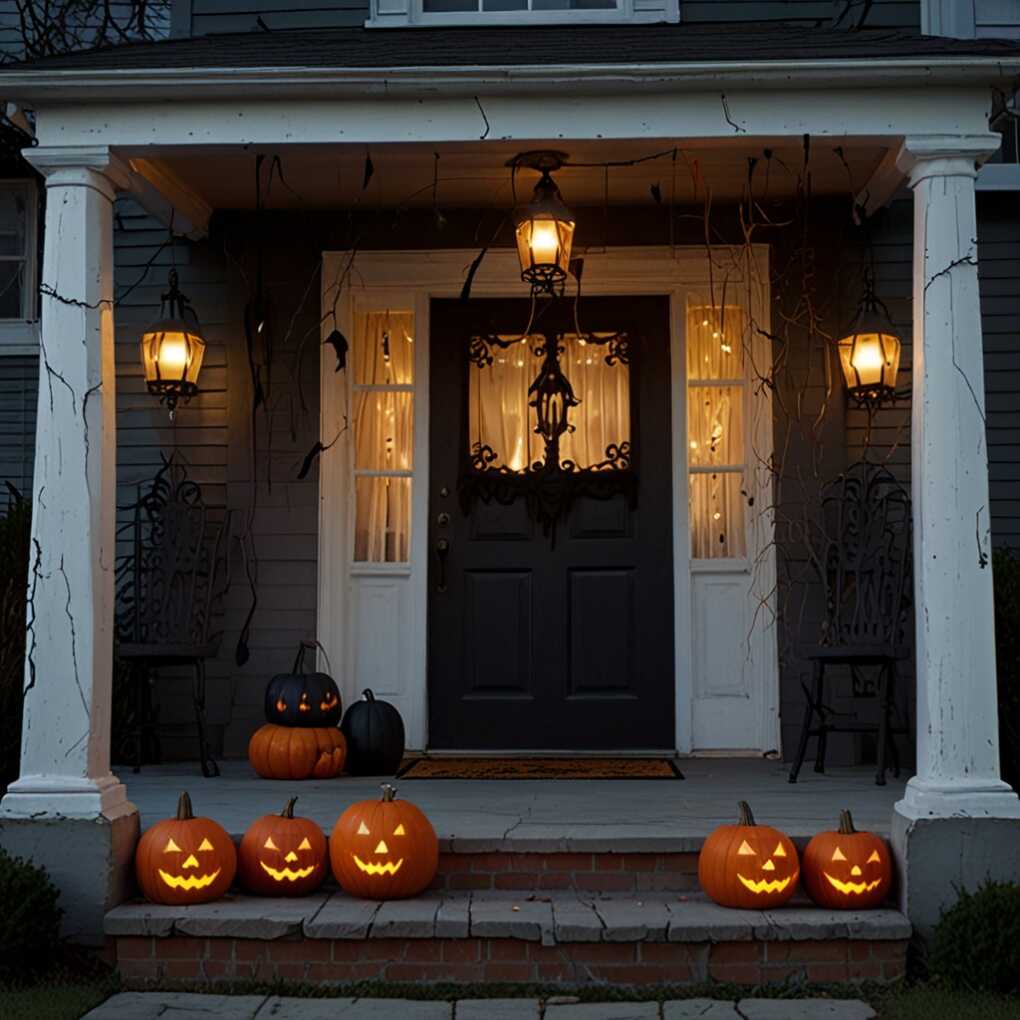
[957, 717]
[65, 753]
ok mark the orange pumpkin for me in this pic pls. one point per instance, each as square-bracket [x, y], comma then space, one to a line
[748, 866]
[286, 752]
[847, 869]
[185, 859]
[281, 855]
[384, 849]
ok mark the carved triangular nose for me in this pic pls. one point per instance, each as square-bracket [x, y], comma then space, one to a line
[855, 870]
[291, 857]
[191, 862]
[382, 848]
[768, 865]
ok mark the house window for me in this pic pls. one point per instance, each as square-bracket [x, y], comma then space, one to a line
[383, 425]
[716, 432]
[487, 13]
[18, 247]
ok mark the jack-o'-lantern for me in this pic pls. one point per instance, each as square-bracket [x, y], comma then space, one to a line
[384, 849]
[375, 737]
[847, 869]
[287, 752]
[748, 866]
[302, 699]
[185, 859]
[281, 855]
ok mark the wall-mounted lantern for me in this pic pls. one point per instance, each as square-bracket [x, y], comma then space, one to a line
[870, 352]
[172, 349]
[544, 227]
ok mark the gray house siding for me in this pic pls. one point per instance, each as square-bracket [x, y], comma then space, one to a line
[207, 17]
[19, 383]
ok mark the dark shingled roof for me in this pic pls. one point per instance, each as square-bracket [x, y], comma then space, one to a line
[537, 45]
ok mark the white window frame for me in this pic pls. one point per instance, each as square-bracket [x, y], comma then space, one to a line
[20, 337]
[409, 13]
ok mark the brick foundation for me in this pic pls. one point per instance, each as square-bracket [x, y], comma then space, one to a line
[146, 961]
[586, 872]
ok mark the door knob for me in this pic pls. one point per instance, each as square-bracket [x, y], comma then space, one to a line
[443, 520]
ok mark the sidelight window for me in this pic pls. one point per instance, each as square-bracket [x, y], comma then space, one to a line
[383, 426]
[716, 434]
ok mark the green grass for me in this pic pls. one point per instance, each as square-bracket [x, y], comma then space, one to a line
[57, 1001]
[928, 1002]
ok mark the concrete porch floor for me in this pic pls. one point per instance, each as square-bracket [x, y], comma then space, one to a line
[548, 815]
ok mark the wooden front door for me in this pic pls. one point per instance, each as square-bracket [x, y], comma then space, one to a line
[550, 526]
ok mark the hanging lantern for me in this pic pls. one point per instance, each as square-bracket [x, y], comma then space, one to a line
[545, 227]
[172, 349]
[870, 352]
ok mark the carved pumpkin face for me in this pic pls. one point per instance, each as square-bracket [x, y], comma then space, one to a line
[384, 849]
[747, 865]
[302, 699]
[847, 869]
[282, 855]
[185, 859]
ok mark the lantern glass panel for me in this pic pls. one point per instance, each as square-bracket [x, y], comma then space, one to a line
[172, 356]
[543, 247]
[870, 362]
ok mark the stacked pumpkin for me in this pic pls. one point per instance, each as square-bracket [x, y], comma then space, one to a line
[300, 739]
[755, 867]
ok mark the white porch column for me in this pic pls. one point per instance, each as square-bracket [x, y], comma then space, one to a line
[957, 716]
[66, 787]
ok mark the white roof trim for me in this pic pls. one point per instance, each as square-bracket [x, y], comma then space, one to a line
[191, 82]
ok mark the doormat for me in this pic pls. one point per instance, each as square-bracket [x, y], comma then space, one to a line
[540, 768]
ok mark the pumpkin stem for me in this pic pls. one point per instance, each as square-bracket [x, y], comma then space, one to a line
[184, 812]
[846, 824]
[746, 818]
[388, 792]
[288, 811]
[368, 695]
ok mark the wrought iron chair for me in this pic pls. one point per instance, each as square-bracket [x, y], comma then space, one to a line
[169, 588]
[860, 549]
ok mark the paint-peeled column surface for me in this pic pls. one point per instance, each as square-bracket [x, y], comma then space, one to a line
[957, 716]
[65, 753]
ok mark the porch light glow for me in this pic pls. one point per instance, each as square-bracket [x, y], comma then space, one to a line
[172, 349]
[545, 228]
[870, 353]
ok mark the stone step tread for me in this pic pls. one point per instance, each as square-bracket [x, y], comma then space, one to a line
[551, 920]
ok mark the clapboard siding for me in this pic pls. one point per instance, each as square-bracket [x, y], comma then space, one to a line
[210, 17]
[997, 19]
[882, 13]
[19, 388]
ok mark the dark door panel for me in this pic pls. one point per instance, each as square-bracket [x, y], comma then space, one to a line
[551, 637]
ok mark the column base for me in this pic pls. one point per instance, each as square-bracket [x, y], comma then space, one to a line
[90, 860]
[964, 798]
[66, 797]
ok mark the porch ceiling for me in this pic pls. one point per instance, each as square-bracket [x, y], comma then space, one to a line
[475, 176]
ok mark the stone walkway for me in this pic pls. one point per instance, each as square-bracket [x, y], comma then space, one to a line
[184, 1006]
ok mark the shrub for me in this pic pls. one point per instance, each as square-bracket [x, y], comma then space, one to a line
[14, 556]
[977, 941]
[29, 921]
[1006, 568]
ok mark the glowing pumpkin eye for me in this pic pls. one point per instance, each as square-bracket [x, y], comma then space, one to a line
[304, 844]
[745, 850]
[874, 858]
[171, 847]
[281, 705]
[399, 830]
[269, 844]
[363, 830]
[838, 855]
[779, 851]
[205, 845]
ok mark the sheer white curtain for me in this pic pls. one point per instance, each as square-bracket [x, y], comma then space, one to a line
[383, 426]
[715, 430]
[499, 415]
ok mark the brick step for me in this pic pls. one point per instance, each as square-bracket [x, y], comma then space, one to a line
[556, 939]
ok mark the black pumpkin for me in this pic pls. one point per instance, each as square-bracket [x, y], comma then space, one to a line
[302, 699]
[375, 737]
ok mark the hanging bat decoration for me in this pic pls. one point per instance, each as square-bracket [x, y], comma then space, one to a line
[338, 342]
